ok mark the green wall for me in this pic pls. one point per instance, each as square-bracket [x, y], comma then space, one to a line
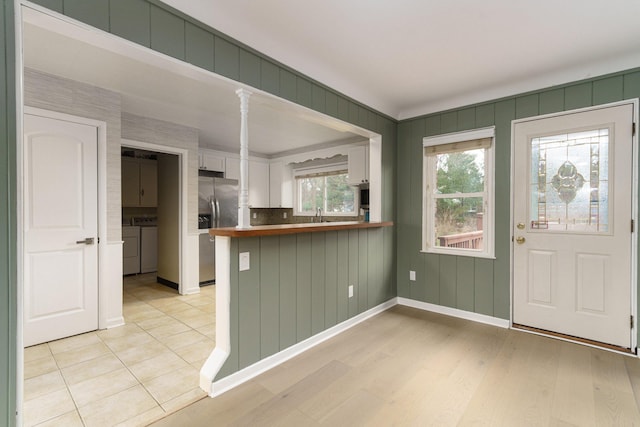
[8, 299]
[298, 286]
[475, 284]
[152, 24]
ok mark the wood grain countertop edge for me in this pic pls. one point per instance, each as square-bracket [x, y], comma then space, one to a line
[281, 229]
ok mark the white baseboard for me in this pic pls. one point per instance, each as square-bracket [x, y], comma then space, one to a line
[237, 378]
[462, 314]
[116, 321]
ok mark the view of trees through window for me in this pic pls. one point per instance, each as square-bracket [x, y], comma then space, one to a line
[459, 194]
[329, 192]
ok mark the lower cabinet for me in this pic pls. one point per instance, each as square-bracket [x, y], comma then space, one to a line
[148, 249]
[131, 250]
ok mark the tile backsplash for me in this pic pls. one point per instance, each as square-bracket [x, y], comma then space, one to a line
[272, 216]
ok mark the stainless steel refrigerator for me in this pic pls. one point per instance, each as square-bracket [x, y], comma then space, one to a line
[217, 207]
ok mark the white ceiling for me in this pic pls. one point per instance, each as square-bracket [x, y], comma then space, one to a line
[411, 57]
[153, 85]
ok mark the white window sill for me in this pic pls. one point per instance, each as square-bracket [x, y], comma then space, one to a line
[459, 253]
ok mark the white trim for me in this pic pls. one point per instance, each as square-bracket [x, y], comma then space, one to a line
[184, 287]
[467, 135]
[19, 65]
[221, 386]
[222, 350]
[448, 311]
[634, 235]
[428, 177]
[375, 179]
[634, 209]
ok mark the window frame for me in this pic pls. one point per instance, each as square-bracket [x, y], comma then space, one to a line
[429, 172]
[327, 170]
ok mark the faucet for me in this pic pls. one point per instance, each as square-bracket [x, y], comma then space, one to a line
[319, 214]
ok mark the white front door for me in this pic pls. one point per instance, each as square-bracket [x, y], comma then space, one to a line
[60, 229]
[572, 224]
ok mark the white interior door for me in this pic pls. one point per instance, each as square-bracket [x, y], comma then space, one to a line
[61, 229]
[572, 224]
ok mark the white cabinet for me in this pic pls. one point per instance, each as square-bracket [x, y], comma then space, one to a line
[280, 186]
[258, 180]
[358, 164]
[258, 184]
[148, 249]
[211, 162]
[232, 170]
[139, 182]
[131, 250]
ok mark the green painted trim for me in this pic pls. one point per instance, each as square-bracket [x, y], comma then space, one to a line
[8, 209]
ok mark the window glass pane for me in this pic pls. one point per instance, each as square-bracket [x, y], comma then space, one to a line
[459, 222]
[569, 188]
[340, 196]
[461, 172]
[311, 194]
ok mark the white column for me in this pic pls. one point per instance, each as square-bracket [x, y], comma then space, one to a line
[244, 219]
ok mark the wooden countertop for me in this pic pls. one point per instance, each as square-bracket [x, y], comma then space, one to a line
[273, 230]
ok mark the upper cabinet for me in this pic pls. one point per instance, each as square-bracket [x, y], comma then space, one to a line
[210, 162]
[258, 179]
[232, 170]
[280, 186]
[358, 165]
[139, 182]
[258, 184]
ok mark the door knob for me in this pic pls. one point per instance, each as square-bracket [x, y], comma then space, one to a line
[87, 241]
[520, 240]
[520, 226]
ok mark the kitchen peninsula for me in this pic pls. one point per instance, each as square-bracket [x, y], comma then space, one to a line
[281, 289]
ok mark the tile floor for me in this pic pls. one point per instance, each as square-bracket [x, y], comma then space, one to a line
[129, 375]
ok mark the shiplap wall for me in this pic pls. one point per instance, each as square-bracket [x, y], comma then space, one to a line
[8, 212]
[475, 284]
[298, 286]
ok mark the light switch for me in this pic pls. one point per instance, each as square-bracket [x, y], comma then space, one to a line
[412, 275]
[244, 261]
[350, 291]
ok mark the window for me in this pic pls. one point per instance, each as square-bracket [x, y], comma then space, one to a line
[458, 193]
[326, 188]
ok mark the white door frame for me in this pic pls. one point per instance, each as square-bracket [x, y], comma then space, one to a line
[634, 212]
[183, 213]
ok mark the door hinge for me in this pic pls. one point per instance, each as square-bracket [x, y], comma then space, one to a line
[633, 129]
[632, 226]
[631, 321]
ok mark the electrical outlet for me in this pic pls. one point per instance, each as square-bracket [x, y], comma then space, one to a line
[284, 215]
[244, 261]
[255, 215]
[350, 291]
[412, 276]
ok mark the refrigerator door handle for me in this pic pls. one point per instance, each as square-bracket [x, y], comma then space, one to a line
[214, 216]
[217, 213]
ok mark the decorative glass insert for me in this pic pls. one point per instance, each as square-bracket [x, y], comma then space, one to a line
[570, 182]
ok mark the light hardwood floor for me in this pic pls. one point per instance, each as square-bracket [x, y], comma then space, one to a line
[409, 367]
